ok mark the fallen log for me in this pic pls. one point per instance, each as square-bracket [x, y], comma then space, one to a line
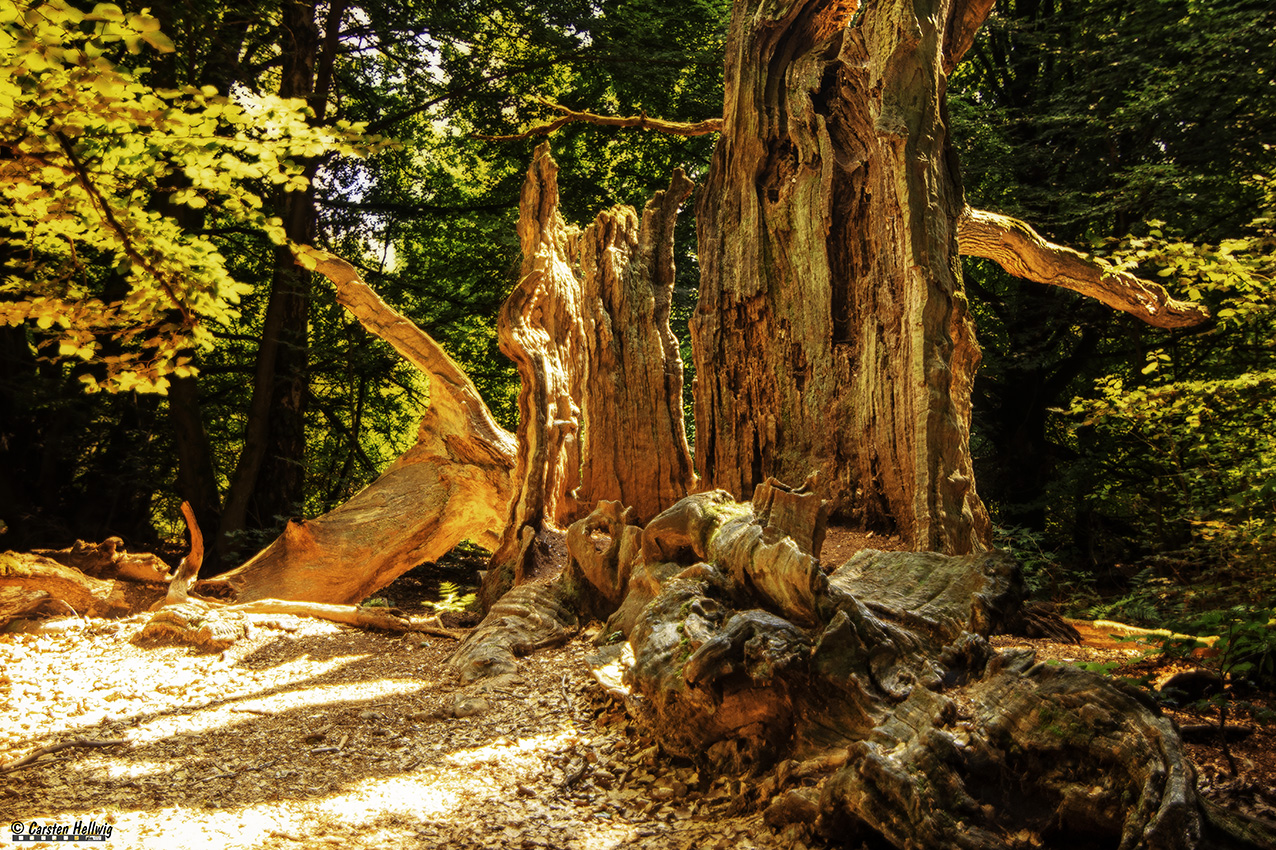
[84, 594]
[452, 485]
[868, 694]
[109, 560]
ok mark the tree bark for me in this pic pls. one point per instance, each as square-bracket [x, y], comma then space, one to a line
[196, 475]
[540, 328]
[867, 701]
[634, 446]
[832, 333]
[1020, 250]
[269, 481]
[600, 398]
[84, 594]
[452, 485]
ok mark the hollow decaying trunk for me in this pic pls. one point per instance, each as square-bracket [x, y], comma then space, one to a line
[452, 485]
[634, 445]
[600, 394]
[540, 329]
[868, 701]
[832, 333]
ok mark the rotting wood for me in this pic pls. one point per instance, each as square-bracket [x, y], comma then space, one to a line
[360, 616]
[830, 290]
[1020, 250]
[109, 560]
[540, 329]
[452, 485]
[877, 682]
[600, 396]
[85, 595]
[634, 445]
[17, 602]
[880, 712]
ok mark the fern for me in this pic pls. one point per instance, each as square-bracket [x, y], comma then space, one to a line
[451, 598]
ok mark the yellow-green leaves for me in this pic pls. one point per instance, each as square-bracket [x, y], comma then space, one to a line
[104, 180]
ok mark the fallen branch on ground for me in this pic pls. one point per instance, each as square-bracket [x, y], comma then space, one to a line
[75, 743]
[363, 617]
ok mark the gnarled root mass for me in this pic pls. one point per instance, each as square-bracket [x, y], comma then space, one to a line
[869, 695]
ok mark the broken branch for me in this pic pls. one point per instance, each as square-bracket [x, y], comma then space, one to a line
[189, 567]
[641, 121]
[1020, 250]
[76, 743]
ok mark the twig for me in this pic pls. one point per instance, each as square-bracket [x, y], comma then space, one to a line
[640, 121]
[571, 778]
[65, 745]
[571, 706]
[437, 631]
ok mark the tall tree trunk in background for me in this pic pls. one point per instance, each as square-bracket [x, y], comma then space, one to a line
[269, 480]
[196, 474]
[832, 333]
[197, 482]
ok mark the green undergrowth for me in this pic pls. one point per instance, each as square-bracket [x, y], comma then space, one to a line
[1154, 592]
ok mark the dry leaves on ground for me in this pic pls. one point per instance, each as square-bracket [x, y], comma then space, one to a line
[311, 733]
[306, 732]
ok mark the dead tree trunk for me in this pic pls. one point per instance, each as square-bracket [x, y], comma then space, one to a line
[635, 445]
[867, 700]
[540, 329]
[832, 331]
[452, 485]
[601, 378]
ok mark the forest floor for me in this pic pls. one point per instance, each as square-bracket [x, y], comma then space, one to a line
[307, 733]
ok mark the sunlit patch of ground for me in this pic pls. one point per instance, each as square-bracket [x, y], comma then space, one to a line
[308, 733]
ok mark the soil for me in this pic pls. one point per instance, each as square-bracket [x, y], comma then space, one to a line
[307, 733]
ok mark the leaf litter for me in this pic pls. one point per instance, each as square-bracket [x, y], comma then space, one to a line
[307, 732]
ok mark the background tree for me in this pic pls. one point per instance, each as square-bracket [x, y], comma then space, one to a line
[431, 224]
[1092, 120]
[102, 284]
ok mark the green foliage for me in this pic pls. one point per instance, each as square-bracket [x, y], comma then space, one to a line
[1103, 668]
[1041, 569]
[1143, 604]
[451, 599]
[96, 163]
[1087, 119]
[1198, 412]
[1245, 648]
[1244, 653]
